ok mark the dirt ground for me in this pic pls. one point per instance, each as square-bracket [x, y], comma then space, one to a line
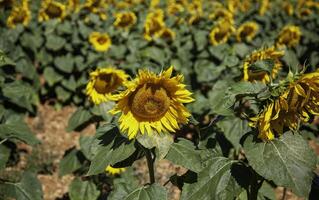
[49, 126]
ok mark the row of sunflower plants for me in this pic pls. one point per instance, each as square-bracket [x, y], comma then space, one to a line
[17, 98]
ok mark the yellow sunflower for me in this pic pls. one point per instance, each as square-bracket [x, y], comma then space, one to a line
[264, 7]
[20, 14]
[167, 34]
[125, 20]
[195, 9]
[221, 13]
[97, 7]
[103, 84]
[289, 36]
[73, 5]
[288, 8]
[263, 54]
[153, 104]
[100, 41]
[221, 32]
[114, 171]
[154, 23]
[247, 31]
[51, 9]
[174, 8]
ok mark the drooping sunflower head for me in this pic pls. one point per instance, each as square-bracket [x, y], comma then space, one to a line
[221, 13]
[100, 41]
[104, 83]
[247, 31]
[270, 54]
[125, 20]
[221, 32]
[20, 14]
[153, 104]
[289, 36]
[154, 23]
[167, 34]
[113, 170]
[51, 9]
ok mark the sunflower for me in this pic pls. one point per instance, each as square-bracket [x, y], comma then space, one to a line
[154, 23]
[263, 54]
[247, 31]
[20, 14]
[221, 13]
[221, 32]
[104, 83]
[264, 7]
[167, 34]
[100, 41]
[113, 170]
[51, 9]
[289, 36]
[195, 9]
[97, 7]
[288, 8]
[125, 20]
[73, 5]
[174, 8]
[153, 104]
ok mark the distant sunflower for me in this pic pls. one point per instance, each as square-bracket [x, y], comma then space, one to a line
[289, 36]
[153, 24]
[247, 31]
[167, 34]
[153, 104]
[125, 20]
[263, 54]
[97, 7]
[100, 41]
[221, 32]
[221, 13]
[264, 7]
[20, 14]
[195, 9]
[73, 5]
[113, 170]
[174, 8]
[104, 83]
[288, 8]
[51, 9]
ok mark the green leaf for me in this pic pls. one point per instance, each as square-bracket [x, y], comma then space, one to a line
[263, 65]
[55, 43]
[62, 94]
[152, 192]
[233, 128]
[161, 142]
[69, 163]
[155, 54]
[4, 156]
[4, 60]
[29, 188]
[288, 161]
[83, 190]
[206, 70]
[78, 118]
[31, 41]
[70, 83]
[18, 130]
[217, 98]
[215, 182]
[64, 63]
[184, 153]
[51, 76]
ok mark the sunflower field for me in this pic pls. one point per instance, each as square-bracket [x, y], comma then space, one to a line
[160, 99]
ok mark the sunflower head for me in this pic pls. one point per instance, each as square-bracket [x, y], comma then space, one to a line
[221, 13]
[113, 170]
[303, 13]
[247, 31]
[125, 20]
[104, 83]
[20, 14]
[288, 8]
[51, 9]
[195, 9]
[97, 7]
[264, 7]
[221, 32]
[100, 41]
[174, 8]
[73, 5]
[154, 23]
[263, 54]
[289, 36]
[153, 104]
[167, 34]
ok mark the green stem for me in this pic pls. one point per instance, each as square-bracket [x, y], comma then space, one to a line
[150, 164]
[2, 141]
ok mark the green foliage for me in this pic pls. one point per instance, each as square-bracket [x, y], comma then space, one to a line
[83, 190]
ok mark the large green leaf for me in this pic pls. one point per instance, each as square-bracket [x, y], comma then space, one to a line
[29, 188]
[55, 43]
[18, 130]
[152, 192]
[78, 118]
[69, 163]
[184, 153]
[288, 161]
[4, 156]
[83, 190]
[216, 98]
[215, 182]
[51, 76]
[64, 63]
[4, 60]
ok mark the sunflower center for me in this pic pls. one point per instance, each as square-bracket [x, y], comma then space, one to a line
[53, 11]
[247, 31]
[150, 102]
[102, 40]
[106, 83]
[20, 16]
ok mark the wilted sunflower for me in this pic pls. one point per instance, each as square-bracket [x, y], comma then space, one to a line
[104, 83]
[100, 41]
[125, 20]
[113, 170]
[20, 14]
[263, 54]
[247, 31]
[221, 32]
[153, 104]
[154, 23]
[51, 9]
[97, 7]
[289, 36]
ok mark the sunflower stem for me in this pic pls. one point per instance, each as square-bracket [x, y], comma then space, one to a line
[150, 164]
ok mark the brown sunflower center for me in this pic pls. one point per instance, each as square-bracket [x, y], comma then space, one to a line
[106, 83]
[248, 30]
[53, 11]
[102, 40]
[125, 20]
[150, 102]
[19, 16]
